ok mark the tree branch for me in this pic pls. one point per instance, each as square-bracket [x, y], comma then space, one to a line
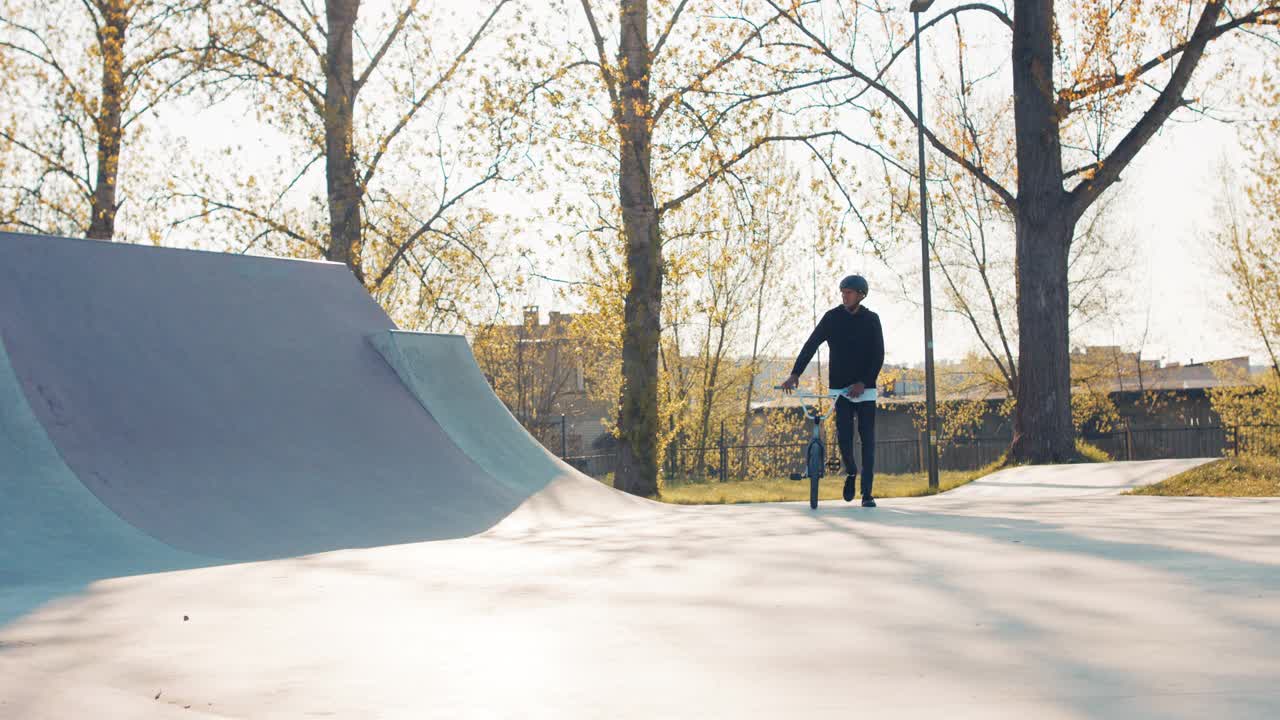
[1008, 197]
[831, 173]
[605, 71]
[1169, 100]
[422, 99]
[50, 61]
[939, 18]
[1101, 84]
[50, 163]
[271, 9]
[386, 44]
[742, 154]
[662, 40]
[720, 65]
[251, 214]
[306, 87]
[427, 226]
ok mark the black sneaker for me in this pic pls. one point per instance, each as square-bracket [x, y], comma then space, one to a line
[868, 501]
[849, 487]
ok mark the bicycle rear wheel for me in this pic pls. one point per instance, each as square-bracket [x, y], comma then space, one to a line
[814, 465]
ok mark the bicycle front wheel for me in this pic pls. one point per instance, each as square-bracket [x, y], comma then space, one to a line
[815, 462]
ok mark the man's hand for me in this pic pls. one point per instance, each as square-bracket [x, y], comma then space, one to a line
[789, 385]
[855, 390]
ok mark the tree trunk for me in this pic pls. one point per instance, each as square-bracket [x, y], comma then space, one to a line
[111, 38]
[1042, 431]
[744, 466]
[710, 377]
[638, 414]
[339, 111]
[755, 354]
[1042, 427]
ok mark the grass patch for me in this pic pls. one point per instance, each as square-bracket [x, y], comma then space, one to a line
[785, 490]
[1091, 453]
[1240, 476]
[1085, 453]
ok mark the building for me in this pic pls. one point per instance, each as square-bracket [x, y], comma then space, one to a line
[539, 371]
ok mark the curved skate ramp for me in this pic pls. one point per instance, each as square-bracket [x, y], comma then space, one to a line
[51, 527]
[441, 372]
[225, 405]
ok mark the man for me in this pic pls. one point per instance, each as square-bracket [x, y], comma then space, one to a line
[856, 345]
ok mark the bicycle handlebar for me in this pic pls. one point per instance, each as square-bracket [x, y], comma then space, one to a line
[811, 411]
[867, 394]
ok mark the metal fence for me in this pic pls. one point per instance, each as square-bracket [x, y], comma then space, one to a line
[737, 462]
[713, 462]
[1161, 443]
[551, 432]
[1260, 439]
[597, 466]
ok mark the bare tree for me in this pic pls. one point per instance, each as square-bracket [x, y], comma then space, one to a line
[535, 368]
[770, 215]
[685, 105]
[80, 80]
[1085, 102]
[406, 122]
[1246, 245]
[972, 253]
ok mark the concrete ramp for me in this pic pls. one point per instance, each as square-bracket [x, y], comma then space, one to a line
[1044, 482]
[224, 405]
[51, 526]
[442, 374]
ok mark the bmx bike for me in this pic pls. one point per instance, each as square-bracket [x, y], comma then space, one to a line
[815, 452]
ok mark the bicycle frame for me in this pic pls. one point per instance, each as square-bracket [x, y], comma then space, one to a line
[811, 411]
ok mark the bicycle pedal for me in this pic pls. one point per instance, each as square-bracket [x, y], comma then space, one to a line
[797, 476]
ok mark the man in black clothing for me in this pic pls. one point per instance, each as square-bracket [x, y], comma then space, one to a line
[856, 344]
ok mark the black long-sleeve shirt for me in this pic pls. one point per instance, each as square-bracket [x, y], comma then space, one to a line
[856, 344]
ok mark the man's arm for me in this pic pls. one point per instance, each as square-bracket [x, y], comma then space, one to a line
[875, 354]
[816, 338]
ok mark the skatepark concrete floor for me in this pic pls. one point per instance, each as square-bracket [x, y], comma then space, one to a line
[988, 603]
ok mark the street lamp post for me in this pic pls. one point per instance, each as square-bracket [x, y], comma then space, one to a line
[931, 398]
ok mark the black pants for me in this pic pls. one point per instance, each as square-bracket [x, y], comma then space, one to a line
[866, 412]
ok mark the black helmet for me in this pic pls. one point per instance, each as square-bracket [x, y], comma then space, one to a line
[855, 282]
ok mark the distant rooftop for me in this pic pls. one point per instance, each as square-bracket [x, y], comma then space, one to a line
[1229, 372]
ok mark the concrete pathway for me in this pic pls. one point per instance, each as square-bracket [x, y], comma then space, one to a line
[1036, 483]
[959, 606]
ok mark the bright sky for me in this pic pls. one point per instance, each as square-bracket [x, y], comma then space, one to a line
[1179, 296]
[1171, 190]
